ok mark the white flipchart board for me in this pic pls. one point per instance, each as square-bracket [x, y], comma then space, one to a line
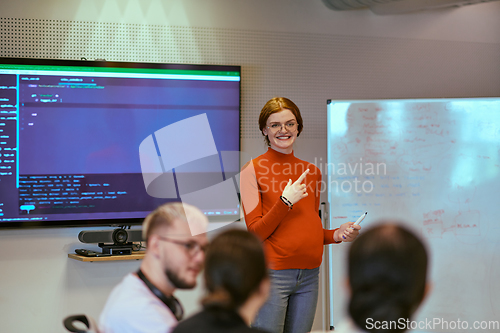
[434, 164]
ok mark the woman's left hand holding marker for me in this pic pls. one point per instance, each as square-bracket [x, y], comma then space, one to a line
[347, 232]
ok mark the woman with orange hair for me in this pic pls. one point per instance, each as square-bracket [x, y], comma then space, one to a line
[280, 197]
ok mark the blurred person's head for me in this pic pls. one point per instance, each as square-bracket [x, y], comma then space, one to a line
[387, 270]
[176, 243]
[236, 275]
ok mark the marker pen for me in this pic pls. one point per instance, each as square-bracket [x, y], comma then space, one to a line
[358, 221]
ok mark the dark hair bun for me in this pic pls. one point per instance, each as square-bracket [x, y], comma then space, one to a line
[234, 268]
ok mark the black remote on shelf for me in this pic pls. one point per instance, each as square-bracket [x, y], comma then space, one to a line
[90, 253]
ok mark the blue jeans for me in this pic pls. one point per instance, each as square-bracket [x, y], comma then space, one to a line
[291, 305]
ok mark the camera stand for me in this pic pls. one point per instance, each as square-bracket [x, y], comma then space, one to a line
[116, 249]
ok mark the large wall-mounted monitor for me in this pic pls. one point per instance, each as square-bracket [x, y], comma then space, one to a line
[70, 133]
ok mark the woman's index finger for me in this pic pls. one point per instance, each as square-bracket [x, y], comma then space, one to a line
[302, 176]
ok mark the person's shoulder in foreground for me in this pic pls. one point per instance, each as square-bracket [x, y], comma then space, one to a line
[346, 326]
[215, 320]
[132, 307]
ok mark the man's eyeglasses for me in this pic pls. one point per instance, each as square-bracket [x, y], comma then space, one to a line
[192, 248]
[290, 127]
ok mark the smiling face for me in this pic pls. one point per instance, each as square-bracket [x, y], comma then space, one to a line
[281, 138]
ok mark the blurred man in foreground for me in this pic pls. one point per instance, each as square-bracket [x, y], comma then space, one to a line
[144, 300]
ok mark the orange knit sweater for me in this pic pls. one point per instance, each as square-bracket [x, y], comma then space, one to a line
[293, 238]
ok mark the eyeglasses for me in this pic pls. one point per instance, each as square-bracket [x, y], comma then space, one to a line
[192, 248]
[290, 127]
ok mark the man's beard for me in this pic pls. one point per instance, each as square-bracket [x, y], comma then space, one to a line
[177, 282]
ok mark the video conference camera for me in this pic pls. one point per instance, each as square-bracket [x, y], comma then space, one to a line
[116, 242]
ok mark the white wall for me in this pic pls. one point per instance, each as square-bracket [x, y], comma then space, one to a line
[294, 48]
[478, 23]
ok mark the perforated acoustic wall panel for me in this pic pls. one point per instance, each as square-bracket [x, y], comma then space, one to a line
[308, 68]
